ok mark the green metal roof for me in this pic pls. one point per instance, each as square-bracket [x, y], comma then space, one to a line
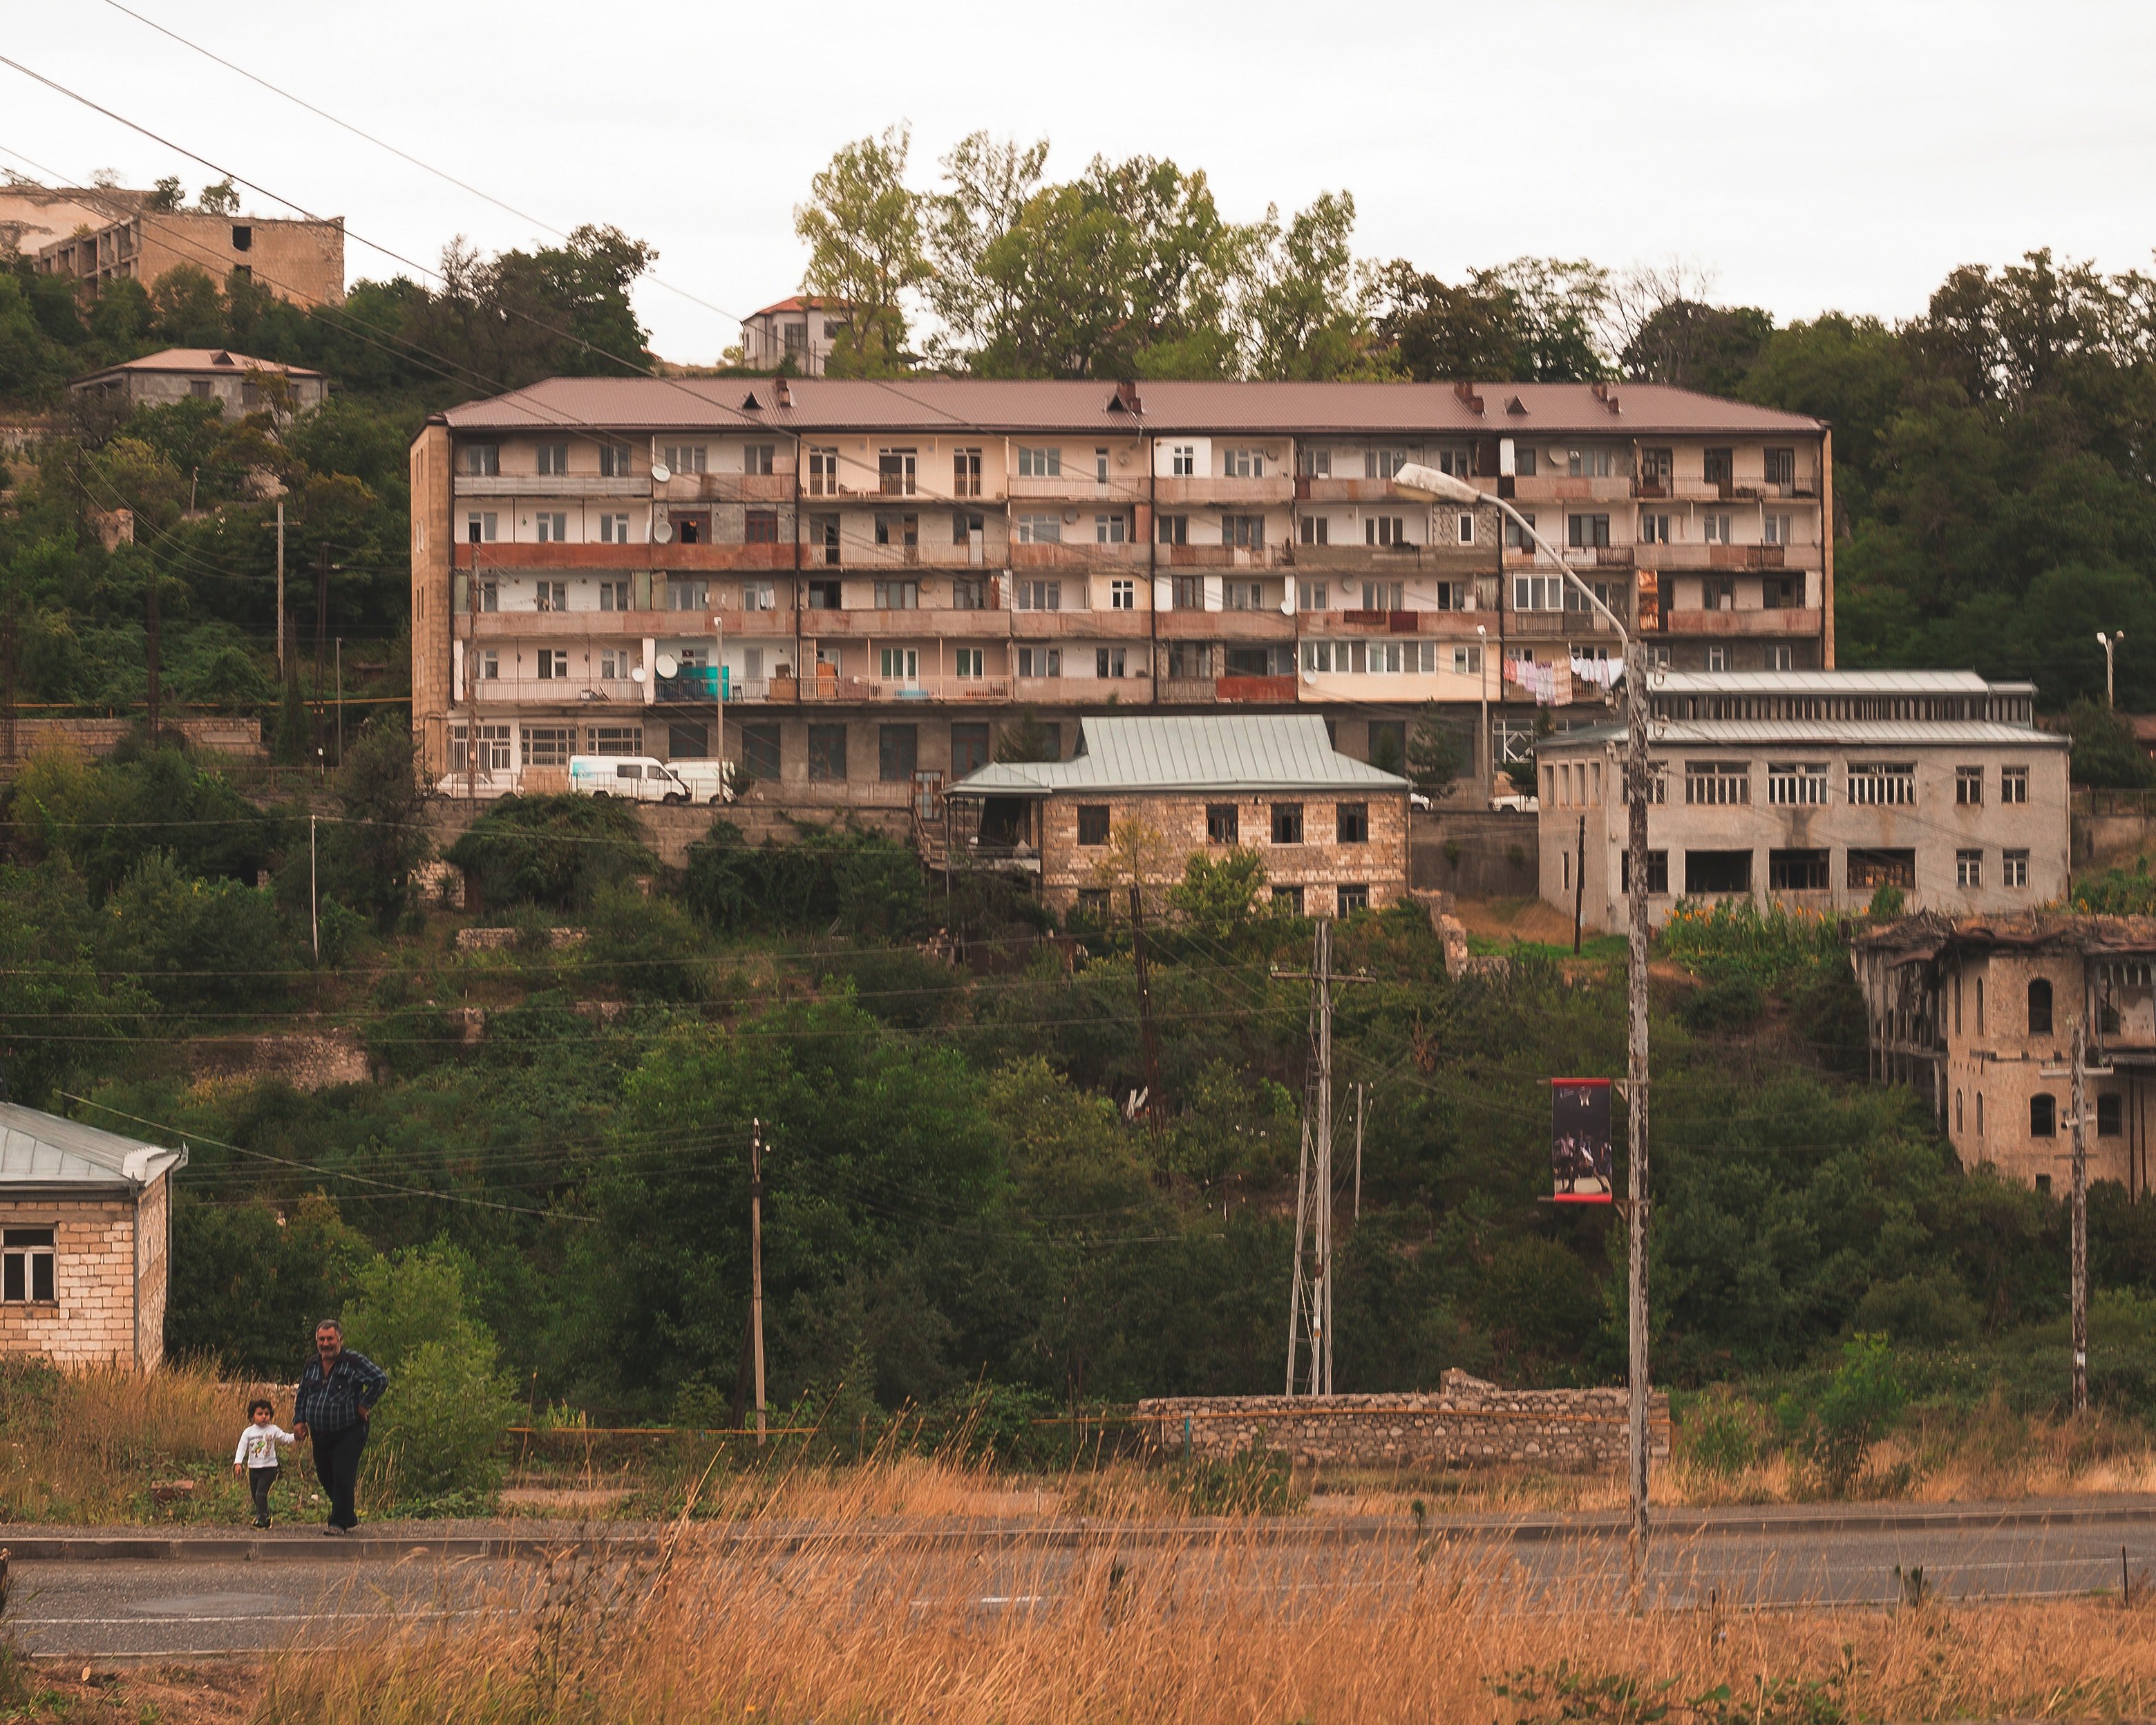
[1257, 751]
[40, 1149]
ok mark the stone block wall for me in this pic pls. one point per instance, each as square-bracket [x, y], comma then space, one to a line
[1465, 1422]
[94, 1320]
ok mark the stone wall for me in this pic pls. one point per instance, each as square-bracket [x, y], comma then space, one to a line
[241, 738]
[1465, 1422]
[1477, 853]
[94, 1319]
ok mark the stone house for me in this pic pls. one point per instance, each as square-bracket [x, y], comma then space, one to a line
[242, 382]
[1143, 795]
[85, 1241]
[1978, 1013]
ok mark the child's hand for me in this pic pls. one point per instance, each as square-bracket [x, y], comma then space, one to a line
[239, 1468]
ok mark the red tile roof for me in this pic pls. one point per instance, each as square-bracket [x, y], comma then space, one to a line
[930, 404]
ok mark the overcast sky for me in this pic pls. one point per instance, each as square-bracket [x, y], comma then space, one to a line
[1809, 157]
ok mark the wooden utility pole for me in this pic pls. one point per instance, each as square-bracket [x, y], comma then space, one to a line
[8, 678]
[756, 1261]
[1358, 1149]
[281, 589]
[1638, 788]
[1578, 885]
[322, 636]
[154, 692]
[1148, 1041]
[1309, 1294]
[2080, 1072]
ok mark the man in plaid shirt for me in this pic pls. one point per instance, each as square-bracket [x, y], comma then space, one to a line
[337, 1393]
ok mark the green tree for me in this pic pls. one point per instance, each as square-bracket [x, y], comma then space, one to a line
[1217, 896]
[2106, 751]
[219, 198]
[1435, 756]
[989, 186]
[863, 226]
[1308, 306]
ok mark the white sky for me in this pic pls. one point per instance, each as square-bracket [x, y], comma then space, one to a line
[1829, 156]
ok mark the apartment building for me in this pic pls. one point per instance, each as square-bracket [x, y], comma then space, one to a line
[1978, 1013]
[1815, 788]
[297, 260]
[843, 583]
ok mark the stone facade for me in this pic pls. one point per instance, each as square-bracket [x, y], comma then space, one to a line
[1465, 1422]
[1317, 868]
[109, 1305]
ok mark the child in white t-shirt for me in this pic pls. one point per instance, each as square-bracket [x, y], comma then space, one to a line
[256, 1455]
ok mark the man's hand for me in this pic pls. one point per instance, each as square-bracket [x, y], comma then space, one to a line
[299, 1432]
[366, 1412]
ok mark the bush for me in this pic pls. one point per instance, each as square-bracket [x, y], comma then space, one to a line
[194, 943]
[842, 880]
[1728, 1003]
[646, 947]
[1927, 1311]
[1862, 1403]
[556, 851]
[1734, 936]
[1257, 1482]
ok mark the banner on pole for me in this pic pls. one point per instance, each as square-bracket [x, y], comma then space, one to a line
[1579, 1139]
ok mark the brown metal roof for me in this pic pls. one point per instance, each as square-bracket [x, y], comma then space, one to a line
[203, 359]
[932, 404]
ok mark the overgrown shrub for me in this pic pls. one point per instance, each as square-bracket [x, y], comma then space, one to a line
[842, 880]
[193, 941]
[555, 851]
[1862, 1403]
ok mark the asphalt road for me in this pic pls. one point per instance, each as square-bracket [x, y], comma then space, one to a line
[190, 1604]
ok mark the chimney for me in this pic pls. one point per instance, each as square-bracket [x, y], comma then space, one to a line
[783, 391]
[1468, 397]
[1606, 396]
[1126, 400]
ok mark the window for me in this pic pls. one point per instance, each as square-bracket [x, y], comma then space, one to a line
[1352, 898]
[1243, 530]
[760, 752]
[1717, 529]
[1717, 871]
[553, 457]
[1173, 530]
[553, 527]
[1036, 463]
[1191, 658]
[1464, 527]
[1223, 824]
[2014, 868]
[1586, 532]
[1092, 823]
[898, 596]
[2039, 1007]
[1587, 464]
[827, 753]
[687, 458]
[1656, 465]
[894, 473]
[1796, 871]
[1796, 784]
[1968, 868]
[1352, 823]
[899, 665]
[1968, 787]
[614, 460]
[1454, 596]
[1040, 661]
[823, 535]
[1719, 466]
[481, 527]
[1523, 463]
[614, 596]
[1313, 595]
[1775, 529]
[966, 527]
[1182, 460]
[483, 460]
[898, 752]
[2110, 1115]
[691, 529]
[686, 593]
[490, 664]
[199, 388]
[616, 663]
[1384, 596]
[1314, 529]
[1038, 595]
[1093, 902]
[1717, 783]
[1882, 784]
[1040, 530]
[549, 744]
[1123, 595]
[1110, 661]
[243, 237]
[2013, 780]
[1781, 659]
[1314, 464]
[969, 749]
[1467, 661]
[760, 526]
[1609, 593]
[26, 1265]
[1655, 529]
[1111, 529]
[1384, 530]
[827, 596]
[969, 593]
[1781, 467]
[550, 596]
[614, 530]
[1187, 592]
[1287, 823]
[903, 530]
[1383, 463]
[1290, 897]
[1870, 869]
[2043, 1116]
[1539, 592]
[1243, 464]
[1516, 536]
[1717, 658]
[758, 596]
[823, 473]
[1243, 595]
[965, 473]
[969, 663]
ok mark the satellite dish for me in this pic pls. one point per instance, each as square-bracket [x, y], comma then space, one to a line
[662, 531]
[661, 472]
[636, 674]
[667, 664]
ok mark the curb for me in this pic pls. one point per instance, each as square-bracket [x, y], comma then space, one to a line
[1680, 1524]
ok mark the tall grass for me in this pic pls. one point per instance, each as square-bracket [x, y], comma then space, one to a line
[1116, 1626]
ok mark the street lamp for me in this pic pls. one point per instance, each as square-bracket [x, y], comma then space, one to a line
[2108, 643]
[1428, 482]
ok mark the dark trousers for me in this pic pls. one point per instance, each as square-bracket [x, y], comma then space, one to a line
[260, 1480]
[336, 1466]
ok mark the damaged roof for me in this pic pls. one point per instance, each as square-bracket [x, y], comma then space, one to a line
[1266, 752]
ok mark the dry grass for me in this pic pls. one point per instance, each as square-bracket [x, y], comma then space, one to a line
[1192, 1629]
[86, 1446]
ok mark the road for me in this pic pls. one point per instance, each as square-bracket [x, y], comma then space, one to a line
[216, 1600]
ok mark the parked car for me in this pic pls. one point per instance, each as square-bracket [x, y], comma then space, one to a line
[643, 778]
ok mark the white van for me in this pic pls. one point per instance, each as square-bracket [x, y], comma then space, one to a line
[643, 778]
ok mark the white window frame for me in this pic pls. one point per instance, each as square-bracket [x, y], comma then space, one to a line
[1882, 784]
[1040, 529]
[2013, 869]
[1123, 595]
[21, 1255]
[1797, 784]
[1040, 461]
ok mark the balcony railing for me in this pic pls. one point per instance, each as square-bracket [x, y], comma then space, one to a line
[1268, 624]
[1079, 554]
[1786, 620]
[551, 485]
[1456, 560]
[899, 690]
[687, 558]
[726, 488]
[1204, 489]
[1079, 488]
[1262, 690]
[1226, 556]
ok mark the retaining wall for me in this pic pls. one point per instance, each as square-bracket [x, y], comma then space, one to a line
[1482, 853]
[1466, 1423]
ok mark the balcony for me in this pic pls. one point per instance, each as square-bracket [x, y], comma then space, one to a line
[1078, 623]
[1081, 554]
[1238, 690]
[686, 558]
[1732, 557]
[726, 488]
[1563, 488]
[1320, 488]
[895, 691]
[567, 625]
[1086, 692]
[551, 485]
[1079, 488]
[1217, 488]
[930, 553]
[1227, 557]
[1268, 625]
[919, 623]
[1453, 561]
[1786, 620]
[1561, 625]
[581, 691]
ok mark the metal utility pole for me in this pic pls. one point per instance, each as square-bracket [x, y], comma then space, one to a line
[1485, 767]
[313, 891]
[1358, 1149]
[2109, 642]
[756, 1261]
[321, 631]
[281, 589]
[2081, 1072]
[340, 699]
[1148, 1041]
